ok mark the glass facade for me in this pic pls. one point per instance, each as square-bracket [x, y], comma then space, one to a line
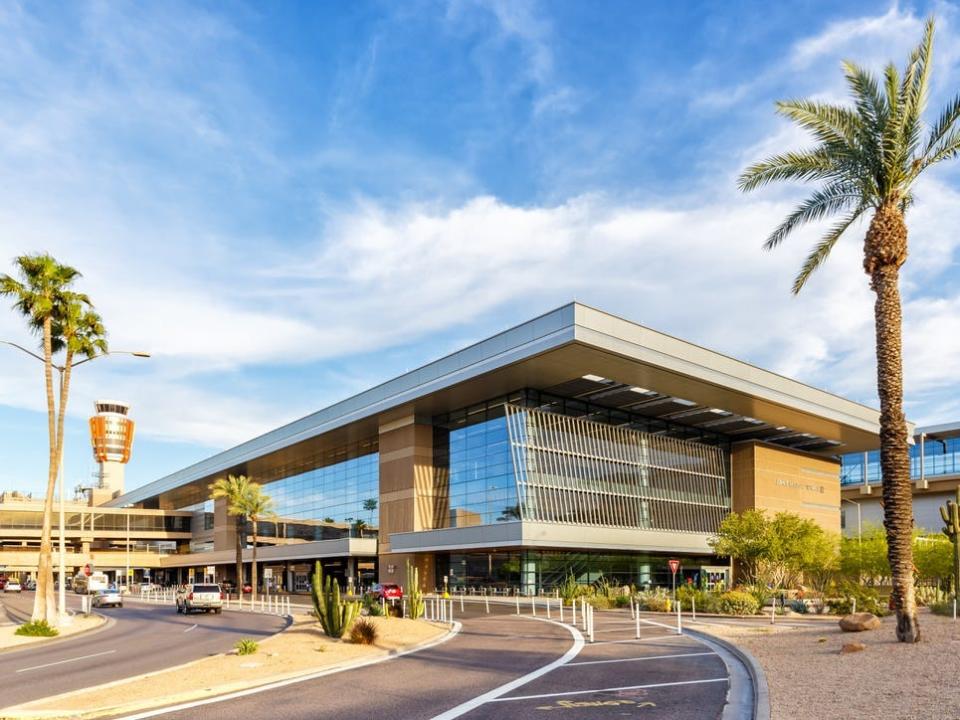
[940, 457]
[94, 521]
[543, 570]
[531, 456]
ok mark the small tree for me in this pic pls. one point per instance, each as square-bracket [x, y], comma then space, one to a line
[256, 505]
[745, 538]
[232, 489]
[864, 558]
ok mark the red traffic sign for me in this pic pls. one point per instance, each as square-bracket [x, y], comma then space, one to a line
[87, 570]
[674, 565]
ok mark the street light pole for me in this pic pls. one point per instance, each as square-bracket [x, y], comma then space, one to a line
[62, 616]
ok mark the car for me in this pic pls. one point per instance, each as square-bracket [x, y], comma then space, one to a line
[207, 597]
[110, 597]
[30, 584]
[12, 586]
[386, 591]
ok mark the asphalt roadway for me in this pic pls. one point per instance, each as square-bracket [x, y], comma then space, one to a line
[502, 666]
[144, 638]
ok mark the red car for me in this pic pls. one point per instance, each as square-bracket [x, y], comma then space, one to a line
[386, 591]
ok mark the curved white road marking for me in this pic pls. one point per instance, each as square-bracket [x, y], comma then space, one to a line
[192, 627]
[611, 689]
[639, 659]
[492, 695]
[61, 662]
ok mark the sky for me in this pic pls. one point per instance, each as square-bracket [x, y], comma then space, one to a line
[286, 203]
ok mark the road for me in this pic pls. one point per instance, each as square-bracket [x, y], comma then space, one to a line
[503, 666]
[144, 638]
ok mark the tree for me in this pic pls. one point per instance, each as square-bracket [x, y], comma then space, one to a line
[821, 562]
[42, 295]
[866, 159]
[232, 489]
[745, 538]
[359, 525]
[256, 505]
[864, 558]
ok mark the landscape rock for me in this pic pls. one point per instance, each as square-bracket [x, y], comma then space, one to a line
[858, 622]
[852, 647]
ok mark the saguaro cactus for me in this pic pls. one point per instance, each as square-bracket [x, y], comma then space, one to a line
[417, 606]
[335, 615]
[951, 520]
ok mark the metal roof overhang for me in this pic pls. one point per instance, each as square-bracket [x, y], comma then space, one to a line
[693, 385]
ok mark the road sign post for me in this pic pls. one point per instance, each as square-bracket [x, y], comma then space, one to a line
[674, 566]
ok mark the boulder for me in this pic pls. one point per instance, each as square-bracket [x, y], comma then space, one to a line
[858, 622]
[852, 647]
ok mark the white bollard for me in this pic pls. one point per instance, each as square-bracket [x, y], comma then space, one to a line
[573, 609]
[486, 602]
[403, 608]
[533, 605]
[632, 613]
[773, 611]
[451, 609]
[561, 609]
[954, 608]
[549, 603]
[518, 603]
[591, 623]
[693, 608]
[679, 628]
[637, 621]
[461, 603]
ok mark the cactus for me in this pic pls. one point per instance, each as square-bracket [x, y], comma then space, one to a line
[417, 606]
[335, 615]
[951, 520]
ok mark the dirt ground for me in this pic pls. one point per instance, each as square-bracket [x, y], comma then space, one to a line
[80, 623]
[805, 670]
[299, 649]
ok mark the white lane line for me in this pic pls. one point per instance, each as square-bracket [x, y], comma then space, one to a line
[493, 695]
[639, 659]
[644, 639]
[611, 689]
[192, 627]
[61, 662]
[292, 681]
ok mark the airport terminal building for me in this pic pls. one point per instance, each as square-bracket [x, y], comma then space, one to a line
[577, 442]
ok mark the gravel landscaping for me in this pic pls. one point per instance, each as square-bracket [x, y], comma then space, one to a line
[809, 677]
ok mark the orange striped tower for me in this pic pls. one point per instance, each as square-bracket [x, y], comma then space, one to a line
[111, 433]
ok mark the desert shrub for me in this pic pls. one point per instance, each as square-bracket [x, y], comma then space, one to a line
[363, 632]
[654, 600]
[710, 602]
[372, 606]
[868, 600]
[601, 602]
[688, 594]
[760, 592]
[621, 601]
[246, 646]
[570, 589]
[37, 628]
[799, 606]
[944, 607]
[737, 602]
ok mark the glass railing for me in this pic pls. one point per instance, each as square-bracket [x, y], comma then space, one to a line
[940, 458]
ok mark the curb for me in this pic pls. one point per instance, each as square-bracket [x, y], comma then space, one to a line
[147, 710]
[757, 707]
[108, 622]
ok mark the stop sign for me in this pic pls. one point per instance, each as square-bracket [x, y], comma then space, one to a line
[674, 565]
[86, 570]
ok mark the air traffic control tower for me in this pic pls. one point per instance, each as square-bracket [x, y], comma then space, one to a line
[111, 432]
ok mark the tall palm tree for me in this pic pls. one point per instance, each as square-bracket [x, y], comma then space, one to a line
[256, 505]
[866, 159]
[38, 295]
[232, 489]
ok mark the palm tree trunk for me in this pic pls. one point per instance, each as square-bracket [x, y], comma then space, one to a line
[253, 567]
[241, 527]
[885, 252]
[44, 603]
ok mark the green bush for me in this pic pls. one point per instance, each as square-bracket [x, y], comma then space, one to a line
[761, 593]
[654, 601]
[737, 602]
[799, 606]
[868, 600]
[372, 606]
[37, 628]
[363, 632]
[944, 607]
[621, 601]
[246, 646]
[570, 589]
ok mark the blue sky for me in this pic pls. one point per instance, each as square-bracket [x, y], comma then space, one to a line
[287, 203]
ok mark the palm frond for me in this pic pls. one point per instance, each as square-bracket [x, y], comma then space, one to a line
[822, 250]
[803, 166]
[942, 128]
[826, 201]
[828, 123]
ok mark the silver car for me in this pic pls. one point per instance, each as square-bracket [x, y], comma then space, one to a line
[207, 597]
[110, 597]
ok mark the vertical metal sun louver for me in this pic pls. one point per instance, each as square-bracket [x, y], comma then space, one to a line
[576, 471]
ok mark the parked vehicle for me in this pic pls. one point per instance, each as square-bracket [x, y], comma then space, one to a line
[12, 585]
[386, 591]
[207, 597]
[110, 597]
[30, 584]
[87, 585]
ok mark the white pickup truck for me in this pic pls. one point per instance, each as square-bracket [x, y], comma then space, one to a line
[207, 597]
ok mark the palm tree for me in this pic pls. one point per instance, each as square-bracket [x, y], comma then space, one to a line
[256, 505]
[232, 489]
[866, 159]
[39, 296]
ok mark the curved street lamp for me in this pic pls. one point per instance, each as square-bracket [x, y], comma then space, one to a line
[62, 610]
